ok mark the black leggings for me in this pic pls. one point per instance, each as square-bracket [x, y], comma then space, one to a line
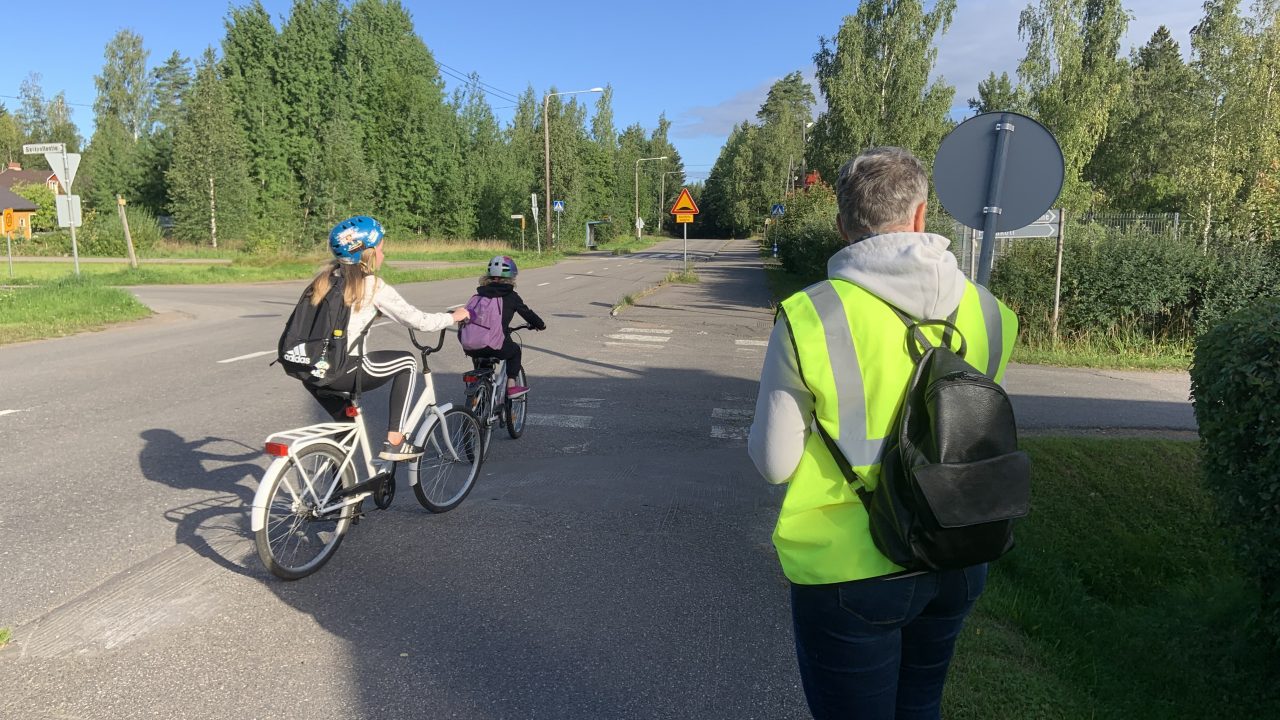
[374, 370]
[510, 352]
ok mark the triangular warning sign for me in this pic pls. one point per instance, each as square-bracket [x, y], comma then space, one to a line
[684, 204]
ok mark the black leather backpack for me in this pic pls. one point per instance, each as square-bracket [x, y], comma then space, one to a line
[952, 480]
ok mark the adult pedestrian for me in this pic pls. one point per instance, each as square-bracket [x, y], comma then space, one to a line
[873, 641]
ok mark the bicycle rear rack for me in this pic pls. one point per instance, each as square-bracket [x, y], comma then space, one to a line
[313, 432]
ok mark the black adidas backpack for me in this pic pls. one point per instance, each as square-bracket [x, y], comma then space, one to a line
[313, 346]
[952, 480]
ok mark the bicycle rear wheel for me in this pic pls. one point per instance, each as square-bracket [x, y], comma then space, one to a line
[516, 409]
[443, 482]
[479, 405]
[295, 541]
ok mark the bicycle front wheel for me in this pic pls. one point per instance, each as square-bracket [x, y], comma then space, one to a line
[516, 409]
[296, 540]
[443, 481]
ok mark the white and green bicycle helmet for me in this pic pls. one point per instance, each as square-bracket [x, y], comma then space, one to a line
[502, 266]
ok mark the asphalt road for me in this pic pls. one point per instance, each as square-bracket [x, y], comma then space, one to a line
[612, 563]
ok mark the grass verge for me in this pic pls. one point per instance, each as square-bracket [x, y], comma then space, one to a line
[1120, 601]
[684, 277]
[5, 636]
[63, 308]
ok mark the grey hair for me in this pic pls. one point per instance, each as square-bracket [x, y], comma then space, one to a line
[880, 189]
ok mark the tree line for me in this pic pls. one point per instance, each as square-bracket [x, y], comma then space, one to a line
[1150, 132]
[342, 109]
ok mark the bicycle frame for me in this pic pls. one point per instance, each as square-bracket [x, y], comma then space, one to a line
[352, 438]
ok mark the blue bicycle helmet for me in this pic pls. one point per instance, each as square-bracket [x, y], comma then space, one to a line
[350, 238]
[502, 266]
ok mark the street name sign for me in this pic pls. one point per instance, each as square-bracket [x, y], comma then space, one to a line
[42, 148]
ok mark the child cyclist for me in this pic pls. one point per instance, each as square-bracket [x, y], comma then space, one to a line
[356, 244]
[499, 282]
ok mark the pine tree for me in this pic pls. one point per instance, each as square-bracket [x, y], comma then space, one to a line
[113, 161]
[1135, 165]
[249, 64]
[209, 180]
[997, 94]
[170, 83]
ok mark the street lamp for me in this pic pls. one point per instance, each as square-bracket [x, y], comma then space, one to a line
[664, 157]
[662, 195]
[546, 147]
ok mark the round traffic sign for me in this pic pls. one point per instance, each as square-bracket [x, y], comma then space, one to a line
[1032, 178]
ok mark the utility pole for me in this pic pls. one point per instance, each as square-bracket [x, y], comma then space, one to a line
[546, 153]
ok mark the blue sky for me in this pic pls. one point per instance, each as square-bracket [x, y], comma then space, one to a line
[707, 65]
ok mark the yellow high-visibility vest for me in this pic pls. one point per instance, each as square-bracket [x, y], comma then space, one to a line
[853, 357]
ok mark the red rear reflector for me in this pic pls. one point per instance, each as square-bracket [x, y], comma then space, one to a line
[470, 378]
[278, 449]
[352, 411]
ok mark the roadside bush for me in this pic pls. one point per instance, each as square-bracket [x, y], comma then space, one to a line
[102, 234]
[46, 217]
[1133, 284]
[807, 236]
[1235, 387]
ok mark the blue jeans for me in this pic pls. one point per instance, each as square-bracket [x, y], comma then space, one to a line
[879, 649]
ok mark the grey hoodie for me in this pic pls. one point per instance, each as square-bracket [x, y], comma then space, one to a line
[911, 271]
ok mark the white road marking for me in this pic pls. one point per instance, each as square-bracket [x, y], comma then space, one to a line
[569, 277]
[585, 403]
[543, 284]
[565, 421]
[732, 414]
[10, 412]
[656, 331]
[634, 345]
[723, 432]
[246, 357]
[752, 343]
[738, 398]
[641, 338]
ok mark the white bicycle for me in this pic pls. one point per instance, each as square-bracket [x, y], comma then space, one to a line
[313, 491]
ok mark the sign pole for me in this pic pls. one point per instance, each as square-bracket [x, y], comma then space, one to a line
[1057, 275]
[8, 241]
[992, 210]
[75, 252]
[686, 246]
[128, 238]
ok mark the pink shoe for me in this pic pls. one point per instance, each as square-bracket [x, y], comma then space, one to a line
[516, 391]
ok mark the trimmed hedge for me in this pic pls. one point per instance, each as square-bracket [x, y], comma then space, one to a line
[1132, 284]
[1235, 386]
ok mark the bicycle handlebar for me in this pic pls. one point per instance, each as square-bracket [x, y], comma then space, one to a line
[426, 350]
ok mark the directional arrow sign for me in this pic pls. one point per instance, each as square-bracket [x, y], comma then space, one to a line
[684, 204]
[1030, 231]
[1048, 218]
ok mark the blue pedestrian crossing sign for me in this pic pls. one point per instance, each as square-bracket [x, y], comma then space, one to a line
[557, 206]
[778, 210]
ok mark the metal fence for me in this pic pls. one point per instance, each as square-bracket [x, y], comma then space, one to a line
[966, 245]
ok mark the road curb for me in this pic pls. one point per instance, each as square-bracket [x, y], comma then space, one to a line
[618, 306]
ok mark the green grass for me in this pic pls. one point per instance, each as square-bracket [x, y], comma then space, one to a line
[685, 277]
[1036, 348]
[62, 308]
[5, 636]
[1120, 601]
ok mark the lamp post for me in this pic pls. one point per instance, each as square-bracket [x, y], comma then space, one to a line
[546, 151]
[664, 157]
[662, 195]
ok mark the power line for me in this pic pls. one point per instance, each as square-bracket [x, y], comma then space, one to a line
[16, 97]
[496, 90]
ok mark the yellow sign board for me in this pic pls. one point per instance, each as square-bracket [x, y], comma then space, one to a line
[684, 218]
[684, 204]
[8, 221]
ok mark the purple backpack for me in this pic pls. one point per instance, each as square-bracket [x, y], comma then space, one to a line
[484, 330]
